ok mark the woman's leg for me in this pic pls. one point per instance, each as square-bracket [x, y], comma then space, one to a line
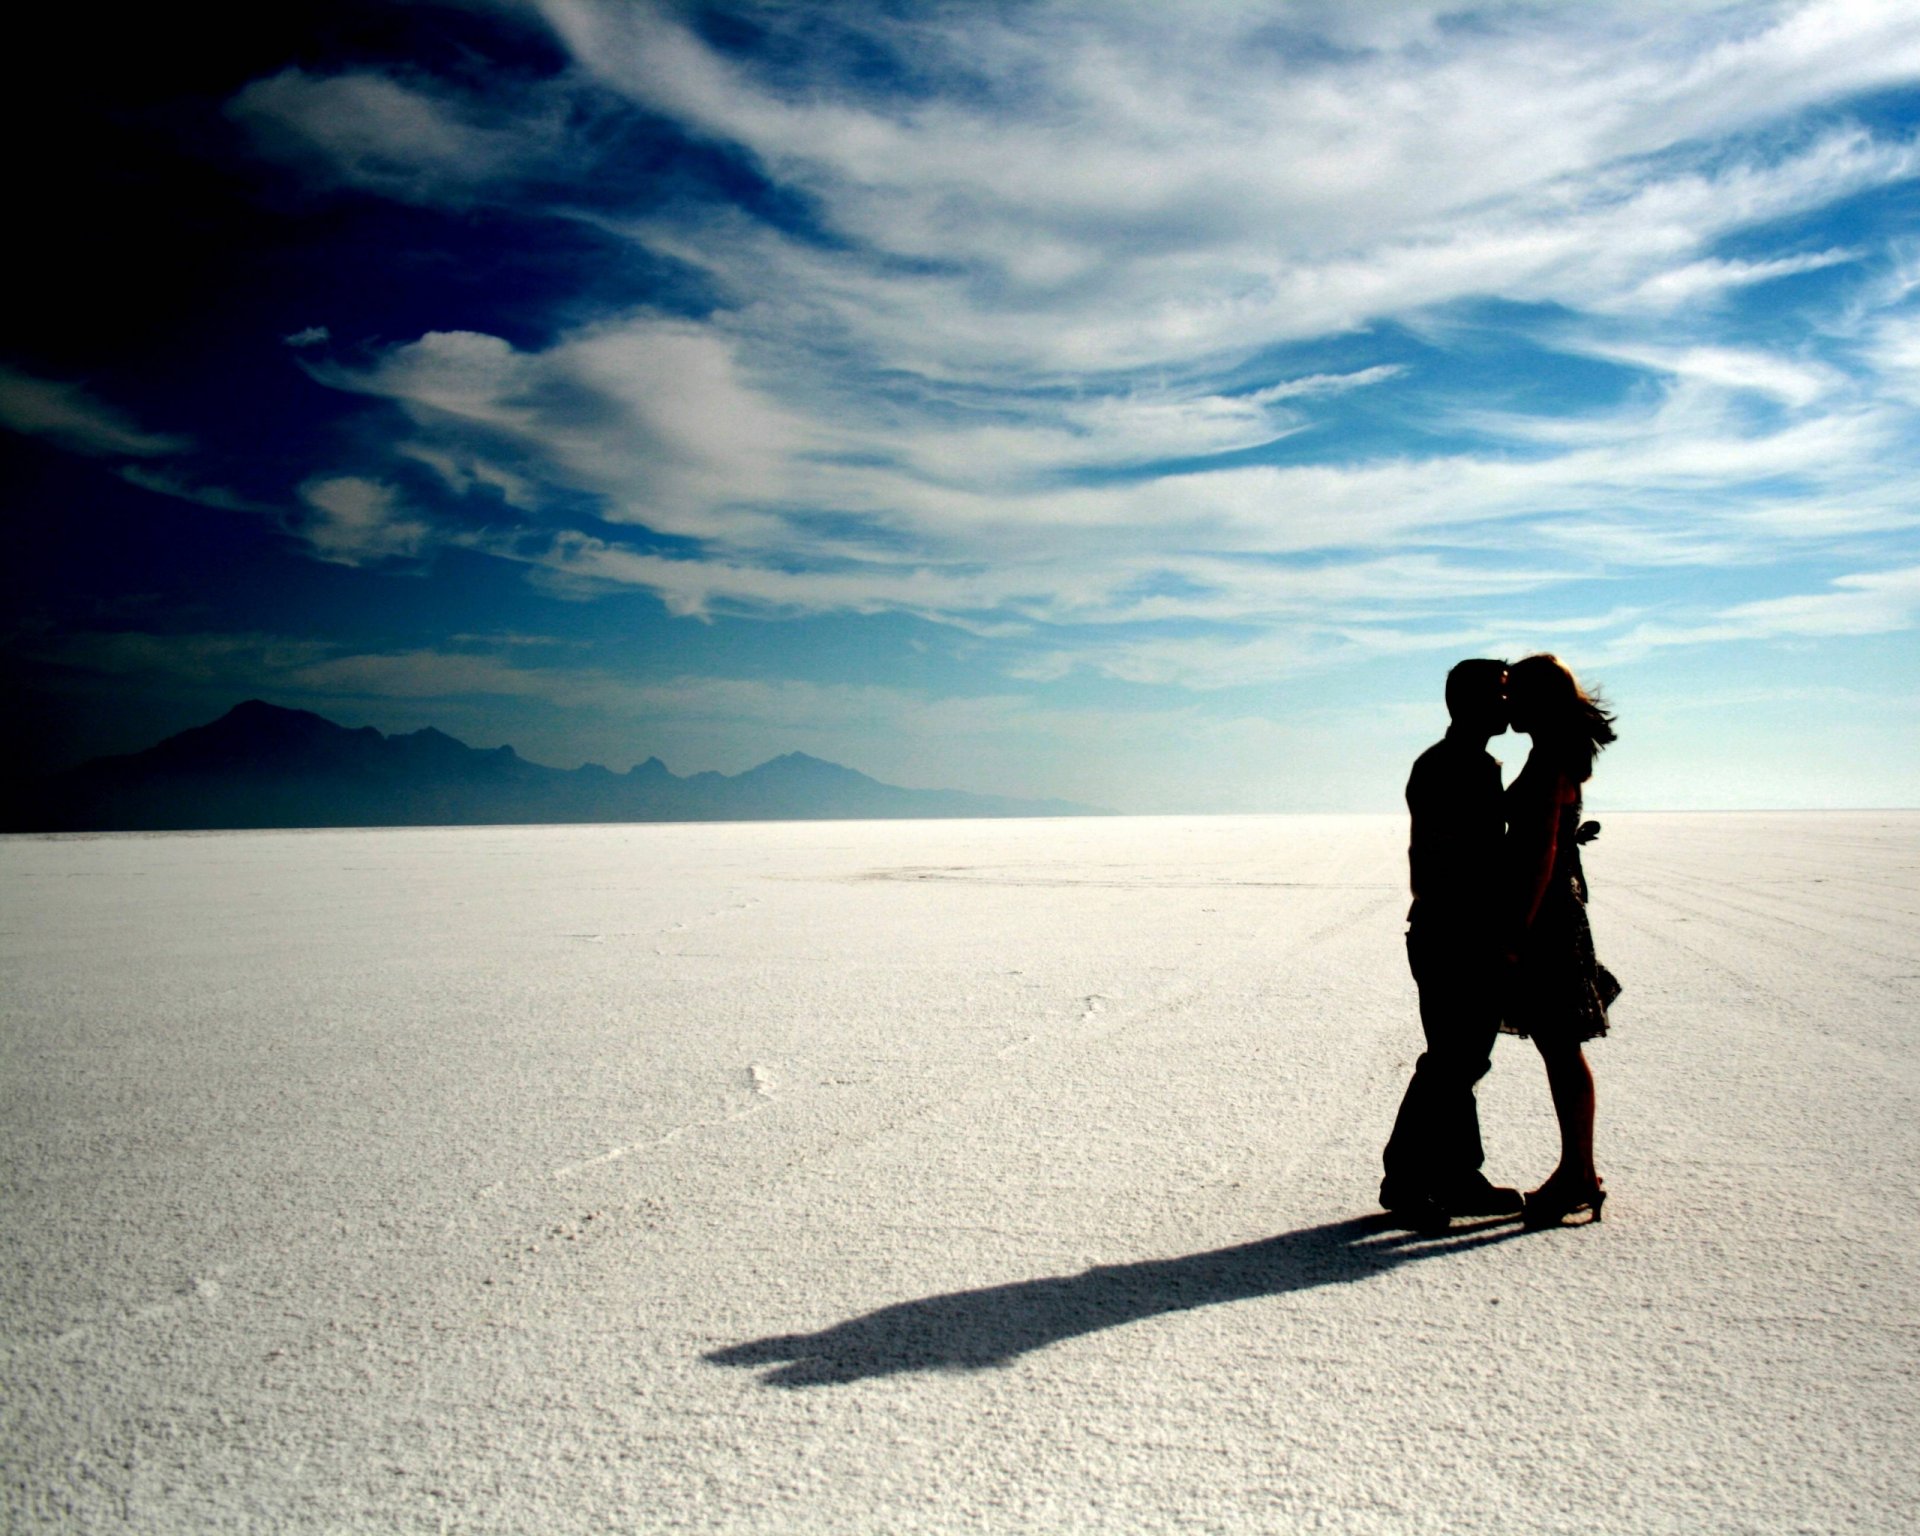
[1570, 1080]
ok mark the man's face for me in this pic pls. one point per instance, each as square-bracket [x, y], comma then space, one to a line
[1477, 697]
[1490, 704]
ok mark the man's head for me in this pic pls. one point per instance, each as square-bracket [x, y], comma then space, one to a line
[1477, 695]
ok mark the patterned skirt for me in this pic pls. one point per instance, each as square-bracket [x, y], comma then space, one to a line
[1559, 991]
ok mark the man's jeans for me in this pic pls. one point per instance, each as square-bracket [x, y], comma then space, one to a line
[1435, 1146]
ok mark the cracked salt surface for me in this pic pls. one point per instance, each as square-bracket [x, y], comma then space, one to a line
[933, 1176]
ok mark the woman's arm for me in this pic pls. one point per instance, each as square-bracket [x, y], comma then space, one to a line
[1535, 840]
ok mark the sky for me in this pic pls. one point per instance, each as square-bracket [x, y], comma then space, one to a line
[1135, 403]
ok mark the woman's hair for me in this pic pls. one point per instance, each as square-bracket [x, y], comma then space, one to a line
[1575, 721]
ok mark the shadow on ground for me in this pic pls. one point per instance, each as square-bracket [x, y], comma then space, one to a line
[973, 1330]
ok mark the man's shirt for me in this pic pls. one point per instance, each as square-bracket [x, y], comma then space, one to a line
[1459, 822]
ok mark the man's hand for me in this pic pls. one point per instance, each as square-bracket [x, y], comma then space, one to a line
[1586, 832]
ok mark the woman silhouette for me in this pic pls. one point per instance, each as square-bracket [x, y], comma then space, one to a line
[1558, 993]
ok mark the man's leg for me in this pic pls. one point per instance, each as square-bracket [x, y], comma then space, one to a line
[1435, 1152]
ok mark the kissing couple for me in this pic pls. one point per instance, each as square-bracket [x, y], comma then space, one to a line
[1498, 940]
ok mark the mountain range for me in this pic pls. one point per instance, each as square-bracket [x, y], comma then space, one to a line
[260, 765]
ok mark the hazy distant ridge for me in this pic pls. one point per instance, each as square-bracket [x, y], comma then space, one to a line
[259, 765]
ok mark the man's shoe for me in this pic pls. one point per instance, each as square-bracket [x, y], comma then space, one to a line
[1478, 1197]
[1398, 1195]
[1416, 1208]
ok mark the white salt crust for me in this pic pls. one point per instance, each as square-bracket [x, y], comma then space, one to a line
[933, 1176]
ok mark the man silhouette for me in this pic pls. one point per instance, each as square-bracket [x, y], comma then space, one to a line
[1453, 945]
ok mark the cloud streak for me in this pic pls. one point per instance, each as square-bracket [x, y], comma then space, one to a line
[1065, 320]
[75, 418]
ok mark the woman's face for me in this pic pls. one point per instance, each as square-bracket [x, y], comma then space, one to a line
[1523, 703]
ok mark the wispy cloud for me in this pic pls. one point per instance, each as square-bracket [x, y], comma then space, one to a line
[1677, 287]
[1056, 303]
[71, 415]
[1121, 189]
[404, 139]
[1866, 603]
[167, 483]
[355, 521]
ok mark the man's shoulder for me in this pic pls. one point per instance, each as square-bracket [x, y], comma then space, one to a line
[1434, 756]
[1449, 761]
[1428, 767]
[1450, 756]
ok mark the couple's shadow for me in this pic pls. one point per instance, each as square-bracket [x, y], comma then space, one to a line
[974, 1330]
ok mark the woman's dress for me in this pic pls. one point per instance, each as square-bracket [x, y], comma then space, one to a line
[1559, 990]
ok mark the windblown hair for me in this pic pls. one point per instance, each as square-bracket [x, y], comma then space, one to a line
[1573, 720]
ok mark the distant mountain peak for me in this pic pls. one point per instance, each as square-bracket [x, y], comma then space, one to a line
[258, 712]
[801, 762]
[264, 765]
[253, 730]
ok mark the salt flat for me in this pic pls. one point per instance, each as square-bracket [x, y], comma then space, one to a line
[934, 1176]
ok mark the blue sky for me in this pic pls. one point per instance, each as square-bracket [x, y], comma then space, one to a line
[1137, 403]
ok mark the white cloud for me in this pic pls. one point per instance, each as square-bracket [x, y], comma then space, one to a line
[70, 415]
[1864, 603]
[1893, 351]
[1593, 243]
[463, 472]
[399, 138]
[1161, 186]
[1036, 290]
[974, 524]
[1714, 276]
[1326, 384]
[653, 414]
[438, 674]
[1868, 603]
[355, 521]
[1734, 368]
[1091, 188]
[164, 483]
[1077, 117]
[222, 659]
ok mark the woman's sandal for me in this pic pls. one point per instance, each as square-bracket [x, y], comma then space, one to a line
[1553, 1202]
